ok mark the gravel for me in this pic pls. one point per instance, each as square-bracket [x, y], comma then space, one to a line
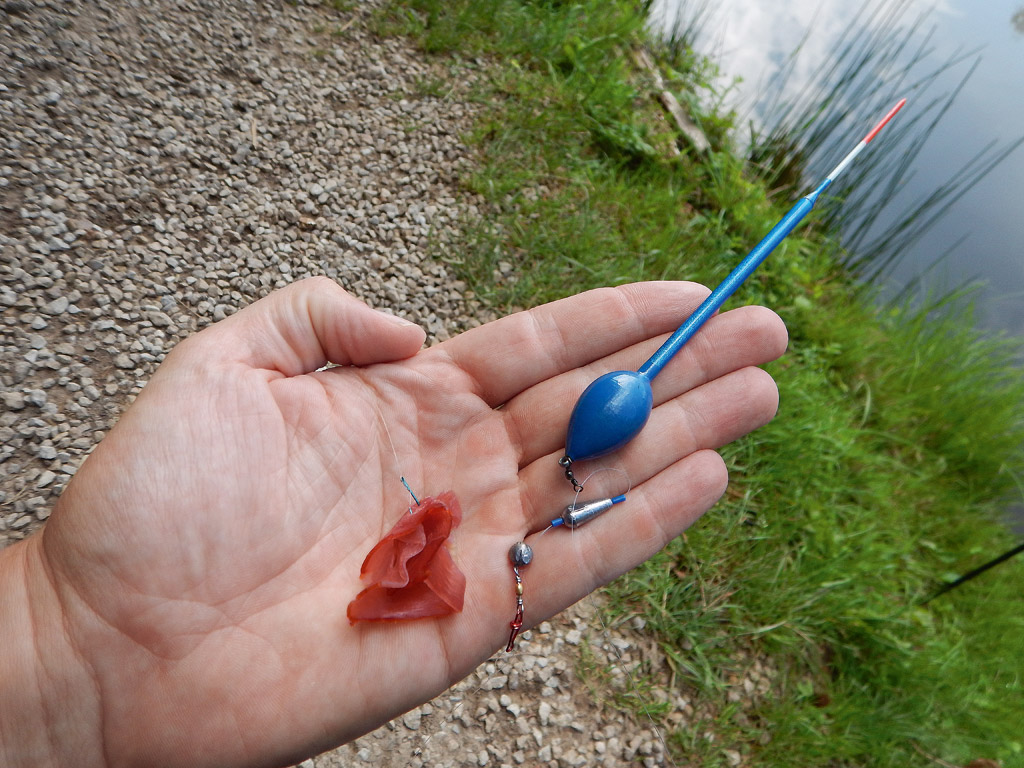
[526, 708]
[164, 163]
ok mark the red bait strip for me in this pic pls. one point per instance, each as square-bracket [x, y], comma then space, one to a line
[410, 571]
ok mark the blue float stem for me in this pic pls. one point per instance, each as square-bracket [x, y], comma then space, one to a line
[727, 287]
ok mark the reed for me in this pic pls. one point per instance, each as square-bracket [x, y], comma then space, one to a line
[881, 56]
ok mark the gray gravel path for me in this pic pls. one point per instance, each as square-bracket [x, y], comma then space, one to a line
[164, 163]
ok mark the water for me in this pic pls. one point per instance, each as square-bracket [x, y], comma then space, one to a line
[753, 40]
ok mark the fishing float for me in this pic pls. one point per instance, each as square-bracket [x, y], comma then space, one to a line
[616, 406]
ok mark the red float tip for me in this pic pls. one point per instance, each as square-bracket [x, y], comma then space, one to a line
[886, 119]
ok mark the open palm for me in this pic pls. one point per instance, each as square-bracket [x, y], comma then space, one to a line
[204, 556]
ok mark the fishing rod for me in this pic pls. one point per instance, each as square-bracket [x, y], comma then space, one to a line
[617, 405]
[976, 572]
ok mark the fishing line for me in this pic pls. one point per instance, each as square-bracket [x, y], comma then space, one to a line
[453, 716]
[575, 515]
[398, 463]
[579, 490]
[606, 633]
[636, 690]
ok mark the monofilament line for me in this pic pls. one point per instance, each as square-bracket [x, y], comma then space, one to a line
[636, 691]
[606, 631]
[394, 452]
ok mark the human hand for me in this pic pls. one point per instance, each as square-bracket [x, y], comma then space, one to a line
[188, 594]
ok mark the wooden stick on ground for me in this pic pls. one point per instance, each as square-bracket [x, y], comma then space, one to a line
[686, 127]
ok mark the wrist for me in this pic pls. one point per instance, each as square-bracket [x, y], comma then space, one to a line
[49, 702]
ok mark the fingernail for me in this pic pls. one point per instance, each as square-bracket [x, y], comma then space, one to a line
[396, 319]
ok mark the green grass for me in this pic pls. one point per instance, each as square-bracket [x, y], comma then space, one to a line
[897, 443]
[848, 510]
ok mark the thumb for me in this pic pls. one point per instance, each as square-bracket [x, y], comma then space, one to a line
[304, 326]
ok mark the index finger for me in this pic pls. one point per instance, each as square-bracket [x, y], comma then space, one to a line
[510, 355]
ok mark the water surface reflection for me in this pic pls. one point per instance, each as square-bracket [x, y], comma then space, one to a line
[753, 40]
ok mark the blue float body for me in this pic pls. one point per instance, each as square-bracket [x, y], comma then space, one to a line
[609, 413]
